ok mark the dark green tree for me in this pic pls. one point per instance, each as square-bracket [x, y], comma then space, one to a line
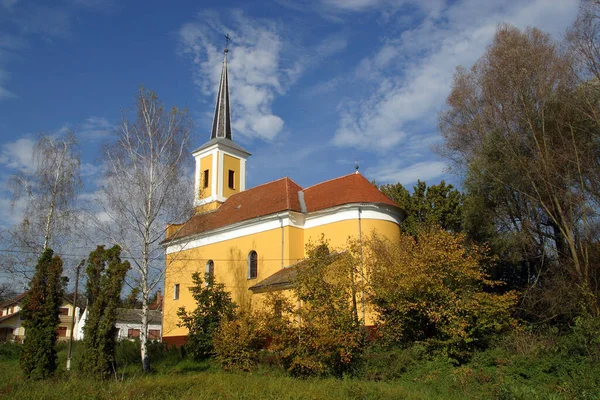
[132, 299]
[436, 205]
[40, 317]
[106, 274]
[214, 305]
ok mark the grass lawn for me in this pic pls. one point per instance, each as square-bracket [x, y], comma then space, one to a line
[491, 375]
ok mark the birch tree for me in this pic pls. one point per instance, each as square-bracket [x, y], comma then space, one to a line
[145, 188]
[49, 193]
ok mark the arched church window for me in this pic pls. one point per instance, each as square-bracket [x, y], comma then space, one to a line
[210, 270]
[252, 265]
[210, 267]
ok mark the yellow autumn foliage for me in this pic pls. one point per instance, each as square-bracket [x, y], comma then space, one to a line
[435, 289]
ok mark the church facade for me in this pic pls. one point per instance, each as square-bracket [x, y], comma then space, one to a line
[250, 239]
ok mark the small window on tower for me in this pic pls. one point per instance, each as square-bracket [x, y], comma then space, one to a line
[205, 181]
[231, 179]
[176, 291]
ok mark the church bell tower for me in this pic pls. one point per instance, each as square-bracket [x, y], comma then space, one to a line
[220, 163]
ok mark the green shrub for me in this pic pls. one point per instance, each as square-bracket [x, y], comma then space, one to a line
[127, 352]
[585, 337]
[213, 304]
[39, 313]
[237, 342]
[10, 351]
[389, 363]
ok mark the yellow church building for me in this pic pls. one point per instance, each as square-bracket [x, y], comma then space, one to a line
[248, 238]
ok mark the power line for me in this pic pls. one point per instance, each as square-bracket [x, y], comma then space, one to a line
[163, 258]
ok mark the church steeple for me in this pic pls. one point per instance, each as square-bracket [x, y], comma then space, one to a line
[221, 126]
[220, 163]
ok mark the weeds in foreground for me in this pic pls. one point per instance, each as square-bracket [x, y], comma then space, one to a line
[522, 365]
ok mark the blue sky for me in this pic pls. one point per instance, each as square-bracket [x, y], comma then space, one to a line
[314, 84]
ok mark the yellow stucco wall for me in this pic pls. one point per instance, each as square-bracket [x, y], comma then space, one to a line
[233, 164]
[231, 262]
[337, 233]
[231, 268]
[205, 164]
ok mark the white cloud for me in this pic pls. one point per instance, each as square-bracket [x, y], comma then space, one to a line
[264, 61]
[392, 172]
[18, 155]
[257, 73]
[360, 5]
[416, 92]
[95, 128]
[11, 213]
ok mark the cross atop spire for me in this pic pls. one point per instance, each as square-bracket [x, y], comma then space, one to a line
[227, 40]
[221, 127]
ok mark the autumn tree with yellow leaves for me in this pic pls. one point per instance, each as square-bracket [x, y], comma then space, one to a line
[435, 290]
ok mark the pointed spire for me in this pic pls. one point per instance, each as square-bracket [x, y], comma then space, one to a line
[221, 127]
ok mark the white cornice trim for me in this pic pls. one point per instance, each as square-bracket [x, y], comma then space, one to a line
[221, 147]
[346, 212]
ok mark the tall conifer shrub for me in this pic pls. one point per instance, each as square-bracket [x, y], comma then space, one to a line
[106, 274]
[40, 317]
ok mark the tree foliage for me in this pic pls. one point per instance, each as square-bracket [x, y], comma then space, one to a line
[132, 299]
[330, 338]
[433, 290]
[237, 342]
[213, 306]
[106, 274]
[519, 128]
[40, 317]
[436, 205]
[321, 334]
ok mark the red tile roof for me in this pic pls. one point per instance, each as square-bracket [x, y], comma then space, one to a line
[14, 300]
[353, 188]
[269, 198]
[282, 195]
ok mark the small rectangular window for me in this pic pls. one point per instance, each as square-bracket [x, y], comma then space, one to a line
[205, 181]
[154, 334]
[176, 292]
[63, 311]
[231, 179]
[133, 333]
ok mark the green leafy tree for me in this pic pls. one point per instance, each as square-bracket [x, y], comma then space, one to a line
[213, 306]
[523, 129]
[436, 205]
[435, 290]
[106, 274]
[40, 317]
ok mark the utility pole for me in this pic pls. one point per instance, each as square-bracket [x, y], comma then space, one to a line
[73, 316]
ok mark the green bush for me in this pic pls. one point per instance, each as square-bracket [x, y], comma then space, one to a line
[213, 305]
[237, 342]
[389, 363]
[128, 353]
[10, 351]
[585, 337]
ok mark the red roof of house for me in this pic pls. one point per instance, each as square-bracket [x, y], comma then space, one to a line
[14, 300]
[282, 195]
